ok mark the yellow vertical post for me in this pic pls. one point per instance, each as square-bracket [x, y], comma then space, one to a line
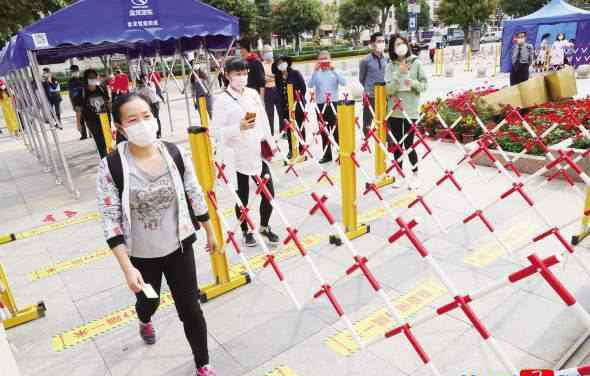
[585, 222]
[380, 161]
[17, 316]
[347, 140]
[9, 114]
[106, 130]
[294, 140]
[468, 59]
[203, 162]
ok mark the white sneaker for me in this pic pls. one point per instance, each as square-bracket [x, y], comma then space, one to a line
[414, 182]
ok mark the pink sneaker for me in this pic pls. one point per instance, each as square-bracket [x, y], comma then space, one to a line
[147, 332]
[206, 371]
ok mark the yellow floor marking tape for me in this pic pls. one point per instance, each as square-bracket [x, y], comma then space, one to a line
[82, 333]
[379, 322]
[379, 212]
[60, 267]
[486, 253]
[299, 189]
[282, 371]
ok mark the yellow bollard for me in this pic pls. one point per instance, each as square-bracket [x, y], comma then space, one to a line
[17, 316]
[203, 163]
[380, 110]
[468, 59]
[294, 141]
[9, 115]
[106, 131]
[584, 232]
[347, 140]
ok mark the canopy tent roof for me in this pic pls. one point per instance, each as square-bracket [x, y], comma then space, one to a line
[555, 12]
[100, 27]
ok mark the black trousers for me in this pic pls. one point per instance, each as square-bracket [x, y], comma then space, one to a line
[180, 272]
[399, 128]
[96, 129]
[57, 107]
[271, 101]
[368, 116]
[330, 119]
[244, 194]
[519, 73]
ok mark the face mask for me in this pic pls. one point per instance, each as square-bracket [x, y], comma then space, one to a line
[238, 83]
[93, 82]
[401, 50]
[283, 67]
[325, 64]
[143, 133]
[380, 47]
[268, 56]
[75, 74]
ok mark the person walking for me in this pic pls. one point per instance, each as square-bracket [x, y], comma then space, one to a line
[240, 124]
[53, 92]
[147, 88]
[271, 94]
[151, 205]
[372, 71]
[522, 57]
[285, 75]
[119, 84]
[325, 81]
[405, 80]
[95, 100]
[256, 78]
[75, 93]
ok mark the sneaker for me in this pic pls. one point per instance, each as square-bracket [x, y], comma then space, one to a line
[269, 235]
[206, 371]
[147, 333]
[250, 240]
[414, 182]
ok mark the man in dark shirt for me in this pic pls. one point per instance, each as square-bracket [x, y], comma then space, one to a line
[522, 58]
[75, 92]
[256, 78]
[94, 101]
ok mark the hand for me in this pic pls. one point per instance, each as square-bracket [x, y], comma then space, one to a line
[403, 68]
[246, 124]
[78, 126]
[317, 67]
[134, 280]
[212, 245]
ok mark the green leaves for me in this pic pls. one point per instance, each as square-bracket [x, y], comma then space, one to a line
[356, 15]
[465, 12]
[402, 16]
[292, 18]
[243, 9]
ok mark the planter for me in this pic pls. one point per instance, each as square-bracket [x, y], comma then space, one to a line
[529, 164]
[441, 135]
[467, 137]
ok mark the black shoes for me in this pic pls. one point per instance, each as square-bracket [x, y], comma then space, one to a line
[269, 235]
[250, 240]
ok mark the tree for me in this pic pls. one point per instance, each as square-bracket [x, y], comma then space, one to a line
[356, 16]
[263, 21]
[386, 7]
[465, 13]
[242, 9]
[402, 16]
[291, 18]
[521, 8]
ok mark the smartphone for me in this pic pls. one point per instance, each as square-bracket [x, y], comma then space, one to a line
[149, 291]
[250, 115]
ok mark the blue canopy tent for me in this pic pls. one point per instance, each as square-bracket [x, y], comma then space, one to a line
[133, 27]
[557, 16]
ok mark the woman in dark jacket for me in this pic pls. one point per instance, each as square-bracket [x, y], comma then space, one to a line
[284, 75]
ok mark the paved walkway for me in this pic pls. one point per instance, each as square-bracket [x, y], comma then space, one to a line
[90, 328]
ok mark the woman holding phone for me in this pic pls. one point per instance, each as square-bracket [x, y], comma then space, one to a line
[241, 123]
[405, 80]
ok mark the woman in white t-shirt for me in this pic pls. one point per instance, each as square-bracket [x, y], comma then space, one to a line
[558, 52]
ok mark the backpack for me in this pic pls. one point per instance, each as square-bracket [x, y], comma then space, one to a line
[116, 169]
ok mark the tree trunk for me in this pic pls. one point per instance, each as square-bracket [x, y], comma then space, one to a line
[297, 44]
[384, 13]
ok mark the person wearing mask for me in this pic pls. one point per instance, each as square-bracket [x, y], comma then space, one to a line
[151, 206]
[415, 47]
[148, 90]
[570, 52]
[372, 71]
[522, 58]
[75, 92]
[286, 75]
[542, 53]
[325, 82]
[94, 101]
[271, 94]
[256, 77]
[405, 80]
[240, 124]
[52, 90]
[558, 52]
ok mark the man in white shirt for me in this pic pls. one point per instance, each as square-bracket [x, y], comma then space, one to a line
[240, 121]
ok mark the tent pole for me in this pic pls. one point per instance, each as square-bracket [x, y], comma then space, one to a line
[18, 110]
[64, 162]
[25, 113]
[185, 90]
[167, 97]
[33, 119]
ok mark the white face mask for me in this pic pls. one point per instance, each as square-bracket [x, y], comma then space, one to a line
[380, 47]
[239, 82]
[142, 133]
[401, 50]
[93, 82]
[283, 67]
